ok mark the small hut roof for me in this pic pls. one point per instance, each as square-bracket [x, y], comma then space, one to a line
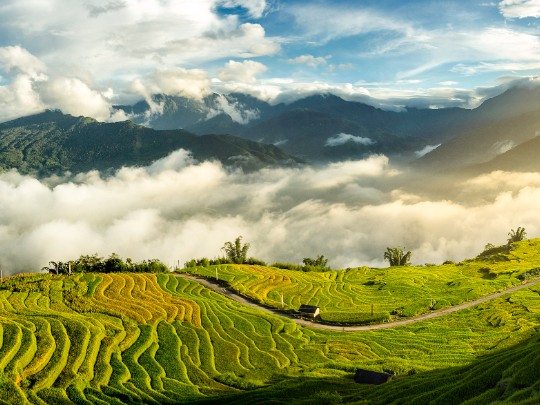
[363, 376]
[308, 309]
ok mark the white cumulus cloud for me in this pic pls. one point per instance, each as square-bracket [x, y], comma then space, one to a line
[33, 87]
[256, 8]
[111, 43]
[15, 60]
[75, 97]
[242, 72]
[342, 139]
[191, 83]
[233, 109]
[520, 8]
[308, 60]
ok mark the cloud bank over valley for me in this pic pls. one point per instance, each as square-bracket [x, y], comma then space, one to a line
[177, 209]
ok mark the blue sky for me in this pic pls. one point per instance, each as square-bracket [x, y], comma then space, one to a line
[84, 56]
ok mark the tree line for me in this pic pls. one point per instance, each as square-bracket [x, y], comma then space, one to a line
[397, 256]
[235, 252]
[112, 264]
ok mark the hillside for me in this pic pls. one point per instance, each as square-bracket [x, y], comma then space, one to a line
[146, 338]
[347, 296]
[187, 113]
[522, 158]
[52, 142]
[309, 134]
[484, 143]
[500, 125]
[303, 126]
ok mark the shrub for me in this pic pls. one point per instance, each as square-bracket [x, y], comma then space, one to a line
[529, 273]
[495, 253]
[326, 398]
[204, 262]
[318, 264]
[287, 266]
[448, 262]
[150, 266]
[230, 379]
[254, 261]
[113, 264]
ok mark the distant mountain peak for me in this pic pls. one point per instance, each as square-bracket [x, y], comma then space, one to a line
[47, 116]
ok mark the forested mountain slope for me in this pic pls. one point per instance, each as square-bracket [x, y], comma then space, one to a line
[52, 142]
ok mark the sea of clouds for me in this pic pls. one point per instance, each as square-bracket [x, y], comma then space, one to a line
[178, 209]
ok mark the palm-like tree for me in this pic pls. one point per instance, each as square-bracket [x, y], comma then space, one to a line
[57, 268]
[517, 235]
[235, 251]
[397, 257]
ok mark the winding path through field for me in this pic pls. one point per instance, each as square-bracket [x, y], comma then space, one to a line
[441, 312]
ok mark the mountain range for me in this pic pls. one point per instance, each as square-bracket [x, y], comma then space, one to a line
[317, 128]
[324, 127]
[503, 131]
[242, 131]
[52, 142]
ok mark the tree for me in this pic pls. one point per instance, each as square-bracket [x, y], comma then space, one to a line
[489, 246]
[397, 257]
[318, 264]
[88, 263]
[235, 252]
[320, 261]
[56, 268]
[114, 264]
[517, 235]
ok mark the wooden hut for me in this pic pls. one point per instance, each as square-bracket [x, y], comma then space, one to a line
[308, 311]
[371, 377]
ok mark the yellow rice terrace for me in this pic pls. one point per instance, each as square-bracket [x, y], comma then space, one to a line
[160, 338]
[369, 295]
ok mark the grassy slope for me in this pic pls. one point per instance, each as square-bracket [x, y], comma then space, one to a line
[129, 338]
[346, 296]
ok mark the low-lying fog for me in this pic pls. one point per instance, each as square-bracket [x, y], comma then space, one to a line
[178, 209]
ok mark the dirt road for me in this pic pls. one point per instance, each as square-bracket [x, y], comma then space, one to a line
[434, 314]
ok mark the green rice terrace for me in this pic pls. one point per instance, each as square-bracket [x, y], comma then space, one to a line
[144, 338]
[348, 296]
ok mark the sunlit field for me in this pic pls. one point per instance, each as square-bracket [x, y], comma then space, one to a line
[128, 338]
[348, 296]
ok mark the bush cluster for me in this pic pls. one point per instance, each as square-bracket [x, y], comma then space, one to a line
[529, 273]
[205, 262]
[113, 264]
[318, 264]
[287, 266]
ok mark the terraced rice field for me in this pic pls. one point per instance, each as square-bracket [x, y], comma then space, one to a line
[144, 338]
[352, 295]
